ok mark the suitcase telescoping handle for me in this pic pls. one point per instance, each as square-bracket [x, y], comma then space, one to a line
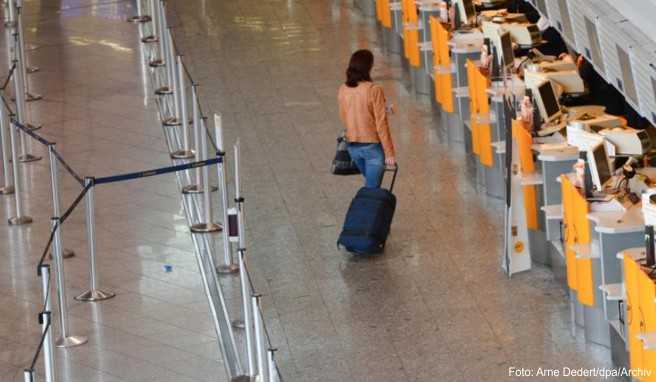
[395, 170]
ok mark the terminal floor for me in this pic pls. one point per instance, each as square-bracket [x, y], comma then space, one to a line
[434, 307]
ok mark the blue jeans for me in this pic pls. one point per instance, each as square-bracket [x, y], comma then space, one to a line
[370, 159]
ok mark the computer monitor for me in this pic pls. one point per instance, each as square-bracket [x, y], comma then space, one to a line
[599, 163]
[545, 97]
[467, 11]
[507, 56]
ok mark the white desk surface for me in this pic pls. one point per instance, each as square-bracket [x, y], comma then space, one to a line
[499, 147]
[553, 211]
[637, 253]
[619, 221]
[615, 222]
[558, 155]
[462, 91]
[533, 179]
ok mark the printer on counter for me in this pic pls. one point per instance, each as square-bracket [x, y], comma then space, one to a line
[628, 141]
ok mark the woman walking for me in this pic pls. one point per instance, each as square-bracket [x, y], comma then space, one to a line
[362, 110]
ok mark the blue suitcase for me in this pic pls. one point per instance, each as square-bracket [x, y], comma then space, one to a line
[368, 220]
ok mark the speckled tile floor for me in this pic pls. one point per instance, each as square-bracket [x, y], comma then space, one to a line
[435, 307]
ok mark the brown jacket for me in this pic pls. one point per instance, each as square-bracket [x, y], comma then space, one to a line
[362, 110]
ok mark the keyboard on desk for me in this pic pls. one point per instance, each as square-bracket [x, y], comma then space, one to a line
[552, 127]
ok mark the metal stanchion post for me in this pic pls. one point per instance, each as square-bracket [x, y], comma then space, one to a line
[208, 225]
[239, 199]
[140, 17]
[19, 219]
[46, 320]
[93, 294]
[21, 111]
[48, 356]
[247, 324]
[195, 188]
[54, 187]
[173, 82]
[229, 267]
[8, 187]
[21, 49]
[259, 341]
[153, 38]
[9, 19]
[273, 371]
[185, 152]
[66, 340]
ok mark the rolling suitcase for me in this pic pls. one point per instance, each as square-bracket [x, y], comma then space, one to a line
[368, 220]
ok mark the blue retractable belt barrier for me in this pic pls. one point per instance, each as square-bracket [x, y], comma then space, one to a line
[158, 171]
[32, 134]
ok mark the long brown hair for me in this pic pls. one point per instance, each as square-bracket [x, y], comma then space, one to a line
[359, 67]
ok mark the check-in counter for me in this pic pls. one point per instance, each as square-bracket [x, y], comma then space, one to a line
[427, 9]
[553, 163]
[464, 46]
[611, 233]
[586, 249]
[633, 330]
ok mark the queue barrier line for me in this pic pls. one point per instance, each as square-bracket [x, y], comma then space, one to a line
[6, 105]
[61, 221]
[9, 76]
[31, 133]
[48, 143]
[158, 171]
[74, 174]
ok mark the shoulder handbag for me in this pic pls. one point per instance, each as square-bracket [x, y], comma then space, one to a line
[342, 164]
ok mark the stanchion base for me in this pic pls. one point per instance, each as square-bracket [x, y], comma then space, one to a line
[7, 190]
[150, 39]
[164, 90]
[28, 158]
[29, 97]
[228, 270]
[139, 19]
[183, 154]
[206, 228]
[197, 189]
[156, 63]
[66, 254]
[20, 220]
[171, 122]
[238, 324]
[32, 69]
[243, 378]
[71, 341]
[95, 295]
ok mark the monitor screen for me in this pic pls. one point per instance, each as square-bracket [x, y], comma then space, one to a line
[507, 49]
[601, 164]
[467, 11]
[548, 98]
